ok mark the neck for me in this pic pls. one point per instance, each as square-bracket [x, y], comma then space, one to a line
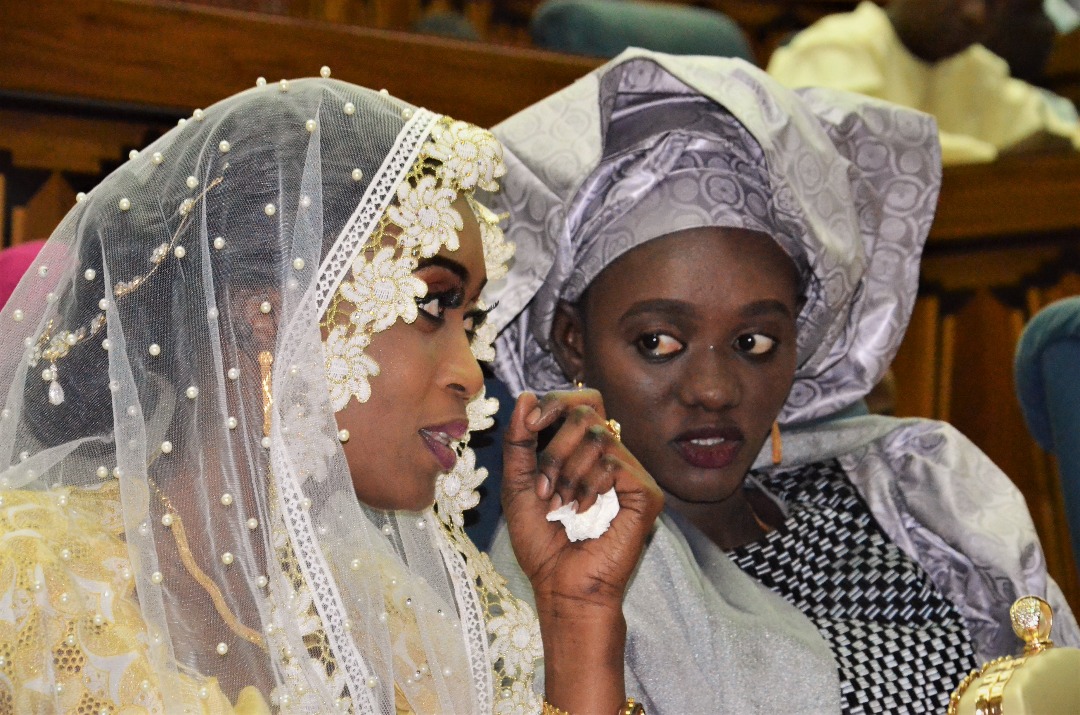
[729, 523]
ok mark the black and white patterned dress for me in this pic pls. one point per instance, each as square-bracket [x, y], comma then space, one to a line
[900, 645]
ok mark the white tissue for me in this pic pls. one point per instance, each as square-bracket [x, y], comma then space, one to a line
[591, 523]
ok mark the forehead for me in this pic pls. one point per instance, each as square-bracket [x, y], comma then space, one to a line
[470, 251]
[699, 265]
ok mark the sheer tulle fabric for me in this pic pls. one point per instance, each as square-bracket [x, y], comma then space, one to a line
[175, 545]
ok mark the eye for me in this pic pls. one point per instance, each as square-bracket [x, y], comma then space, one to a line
[434, 305]
[659, 345]
[431, 306]
[755, 344]
[474, 319]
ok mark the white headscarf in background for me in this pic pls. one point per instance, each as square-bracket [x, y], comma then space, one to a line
[179, 526]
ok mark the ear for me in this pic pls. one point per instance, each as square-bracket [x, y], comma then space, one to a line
[263, 325]
[568, 340]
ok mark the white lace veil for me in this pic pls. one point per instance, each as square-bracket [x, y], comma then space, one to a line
[133, 358]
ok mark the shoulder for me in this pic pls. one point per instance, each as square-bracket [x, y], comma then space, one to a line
[845, 51]
[922, 444]
[864, 26]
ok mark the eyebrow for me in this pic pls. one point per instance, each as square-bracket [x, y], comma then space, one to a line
[768, 305]
[756, 309]
[453, 266]
[448, 263]
[658, 305]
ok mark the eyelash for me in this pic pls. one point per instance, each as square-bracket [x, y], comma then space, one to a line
[649, 353]
[477, 317]
[448, 300]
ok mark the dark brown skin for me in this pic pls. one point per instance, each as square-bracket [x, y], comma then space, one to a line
[579, 587]
[1024, 37]
[428, 375]
[934, 30]
[689, 332]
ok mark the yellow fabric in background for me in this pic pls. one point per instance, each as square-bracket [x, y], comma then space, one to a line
[981, 110]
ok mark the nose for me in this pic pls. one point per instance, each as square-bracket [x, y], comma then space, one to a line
[461, 372]
[710, 380]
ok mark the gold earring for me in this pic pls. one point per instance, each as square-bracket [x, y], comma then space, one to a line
[777, 444]
[579, 385]
[266, 361]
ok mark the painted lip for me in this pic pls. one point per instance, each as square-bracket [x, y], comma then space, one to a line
[439, 439]
[709, 447]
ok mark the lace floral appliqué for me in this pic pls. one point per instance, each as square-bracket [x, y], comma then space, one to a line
[426, 218]
[348, 369]
[480, 411]
[497, 250]
[516, 636]
[470, 156]
[383, 290]
[456, 490]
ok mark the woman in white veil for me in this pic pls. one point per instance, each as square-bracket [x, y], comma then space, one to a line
[266, 314]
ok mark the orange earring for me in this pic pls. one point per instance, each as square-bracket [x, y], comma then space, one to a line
[777, 444]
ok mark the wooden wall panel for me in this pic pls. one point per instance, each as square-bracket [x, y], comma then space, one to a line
[174, 55]
[1006, 243]
[46, 158]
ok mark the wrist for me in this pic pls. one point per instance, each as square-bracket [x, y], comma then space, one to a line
[594, 606]
[584, 653]
[630, 707]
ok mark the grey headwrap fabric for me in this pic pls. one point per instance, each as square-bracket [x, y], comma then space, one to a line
[847, 186]
[703, 637]
[650, 144]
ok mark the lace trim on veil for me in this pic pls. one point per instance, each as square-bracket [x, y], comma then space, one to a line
[350, 242]
[473, 622]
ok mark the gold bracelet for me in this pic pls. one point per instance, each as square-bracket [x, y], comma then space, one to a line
[630, 707]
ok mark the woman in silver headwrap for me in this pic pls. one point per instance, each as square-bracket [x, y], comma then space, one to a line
[237, 386]
[732, 265]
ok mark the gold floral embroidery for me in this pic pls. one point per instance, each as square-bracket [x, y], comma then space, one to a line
[469, 155]
[67, 590]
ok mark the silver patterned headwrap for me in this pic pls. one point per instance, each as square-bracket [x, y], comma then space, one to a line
[650, 144]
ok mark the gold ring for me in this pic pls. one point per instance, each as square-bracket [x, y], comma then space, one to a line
[615, 428]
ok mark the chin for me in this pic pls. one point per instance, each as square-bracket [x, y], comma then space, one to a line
[401, 499]
[703, 487]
